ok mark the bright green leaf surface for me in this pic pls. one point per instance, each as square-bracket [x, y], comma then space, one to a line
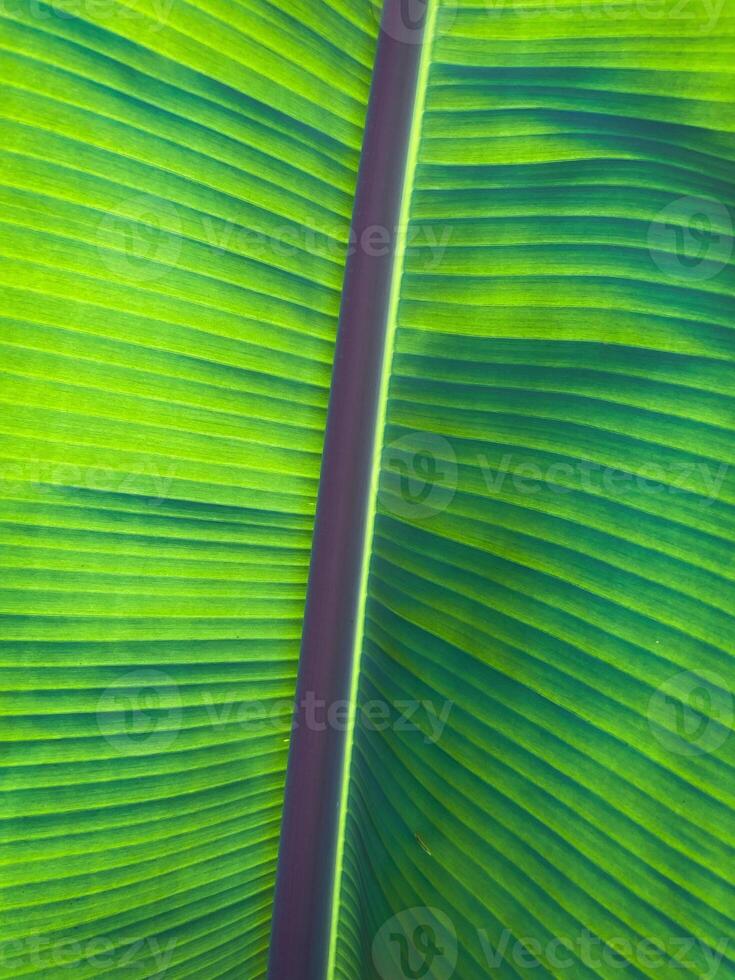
[176, 192]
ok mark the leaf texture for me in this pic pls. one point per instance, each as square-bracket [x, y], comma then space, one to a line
[543, 750]
[176, 191]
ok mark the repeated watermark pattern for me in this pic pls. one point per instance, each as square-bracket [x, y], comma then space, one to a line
[141, 239]
[689, 714]
[422, 942]
[403, 20]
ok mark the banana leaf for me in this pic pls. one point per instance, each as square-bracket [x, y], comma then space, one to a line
[519, 589]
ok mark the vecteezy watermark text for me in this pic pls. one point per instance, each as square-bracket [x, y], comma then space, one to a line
[527, 476]
[592, 951]
[425, 717]
[404, 20]
[143, 237]
[141, 713]
[152, 481]
[121, 954]
[422, 942]
[421, 475]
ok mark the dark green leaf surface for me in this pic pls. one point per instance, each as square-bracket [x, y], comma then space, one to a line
[552, 565]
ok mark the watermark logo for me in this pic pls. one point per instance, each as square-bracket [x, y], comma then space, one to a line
[403, 20]
[141, 713]
[691, 239]
[141, 240]
[416, 943]
[692, 714]
[419, 476]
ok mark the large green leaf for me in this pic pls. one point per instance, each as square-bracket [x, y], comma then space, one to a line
[550, 598]
[176, 196]
[539, 781]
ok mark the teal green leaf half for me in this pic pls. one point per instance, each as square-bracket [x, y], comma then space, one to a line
[541, 779]
[177, 185]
